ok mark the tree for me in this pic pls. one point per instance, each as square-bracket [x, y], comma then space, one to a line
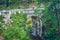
[51, 13]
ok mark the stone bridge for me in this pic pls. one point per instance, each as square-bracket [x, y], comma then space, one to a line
[29, 12]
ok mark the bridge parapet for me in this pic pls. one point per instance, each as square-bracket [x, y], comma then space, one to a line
[29, 12]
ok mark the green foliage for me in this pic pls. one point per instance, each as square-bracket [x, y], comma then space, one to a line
[51, 32]
[1, 20]
[18, 29]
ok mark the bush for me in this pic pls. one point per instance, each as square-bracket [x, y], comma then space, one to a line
[18, 29]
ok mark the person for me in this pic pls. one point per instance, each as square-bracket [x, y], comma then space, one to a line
[32, 6]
